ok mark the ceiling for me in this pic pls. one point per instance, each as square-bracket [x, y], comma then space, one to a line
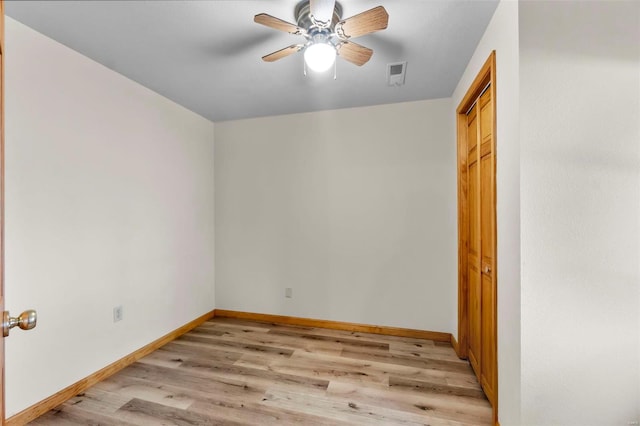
[206, 55]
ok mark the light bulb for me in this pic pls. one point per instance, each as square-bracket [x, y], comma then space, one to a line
[320, 56]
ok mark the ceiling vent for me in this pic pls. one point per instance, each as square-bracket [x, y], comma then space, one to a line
[395, 73]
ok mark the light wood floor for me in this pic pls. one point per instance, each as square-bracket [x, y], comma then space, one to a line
[239, 372]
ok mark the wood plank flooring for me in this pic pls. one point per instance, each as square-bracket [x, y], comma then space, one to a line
[237, 372]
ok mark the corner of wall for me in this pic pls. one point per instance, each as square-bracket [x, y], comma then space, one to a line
[502, 35]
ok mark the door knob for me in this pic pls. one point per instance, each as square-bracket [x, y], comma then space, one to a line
[26, 321]
[487, 269]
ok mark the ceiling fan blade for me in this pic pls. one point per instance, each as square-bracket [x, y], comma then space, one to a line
[322, 11]
[354, 53]
[279, 54]
[278, 24]
[367, 22]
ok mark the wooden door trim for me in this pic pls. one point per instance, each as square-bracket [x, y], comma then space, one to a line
[486, 76]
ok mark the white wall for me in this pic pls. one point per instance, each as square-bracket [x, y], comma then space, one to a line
[354, 209]
[109, 200]
[580, 145]
[502, 36]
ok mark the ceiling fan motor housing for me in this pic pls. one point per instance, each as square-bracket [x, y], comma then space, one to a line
[302, 12]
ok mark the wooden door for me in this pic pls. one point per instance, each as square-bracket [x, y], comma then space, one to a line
[486, 217]
[480, 256]
[477, 297]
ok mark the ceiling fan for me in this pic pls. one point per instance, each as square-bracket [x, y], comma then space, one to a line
[326, 34]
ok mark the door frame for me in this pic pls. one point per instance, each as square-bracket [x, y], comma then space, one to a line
[486, 76]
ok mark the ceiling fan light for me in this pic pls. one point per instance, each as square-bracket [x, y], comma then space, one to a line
[320, 56]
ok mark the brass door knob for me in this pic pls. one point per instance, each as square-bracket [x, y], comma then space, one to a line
[26, 321]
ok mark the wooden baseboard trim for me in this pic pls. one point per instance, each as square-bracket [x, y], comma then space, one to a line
[455, 345]
[336, 325]
[56, 399]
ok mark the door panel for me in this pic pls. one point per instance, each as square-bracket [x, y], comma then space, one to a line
[472, 135]
[475, 319]
[487, 233]
[477, 289]
[487, 368]
[486, 117]
[481, 244]
[473, 256]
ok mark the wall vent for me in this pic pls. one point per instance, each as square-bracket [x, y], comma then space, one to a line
[396, 73]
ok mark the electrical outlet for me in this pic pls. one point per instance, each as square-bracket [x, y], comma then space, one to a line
[117, 313]
[288, 292]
